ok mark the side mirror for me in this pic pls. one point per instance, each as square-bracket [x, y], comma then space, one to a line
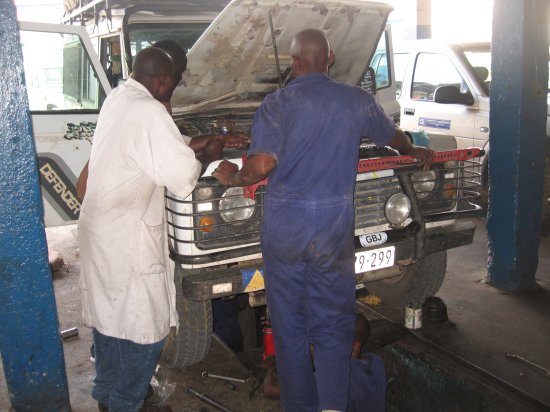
[452, 95]
[368, 81]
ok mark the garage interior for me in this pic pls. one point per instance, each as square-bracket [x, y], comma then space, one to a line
[491, 353]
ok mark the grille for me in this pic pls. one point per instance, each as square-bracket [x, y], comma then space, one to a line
[204, 220]
[207, 218]
[369, 199]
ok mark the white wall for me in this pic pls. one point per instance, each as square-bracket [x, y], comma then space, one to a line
[452, 21]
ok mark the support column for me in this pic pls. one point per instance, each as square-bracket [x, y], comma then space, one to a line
[424, 19]
[30, 342]
[518, 129]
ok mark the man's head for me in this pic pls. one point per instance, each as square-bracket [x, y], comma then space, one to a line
[177, 54]
[155, 69]
[310, 52]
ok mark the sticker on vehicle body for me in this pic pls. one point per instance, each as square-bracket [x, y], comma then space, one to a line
[373, 239]
[55, 181]
[80, 131]
[222, 288]
[434, 123]
[253, 280]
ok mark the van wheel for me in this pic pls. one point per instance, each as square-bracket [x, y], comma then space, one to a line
[192, 343]
[484, 191]
[417, 282]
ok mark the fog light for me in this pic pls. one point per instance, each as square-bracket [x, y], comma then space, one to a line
[398, 208]
[204, 193]
[423, 183]
[206, 224]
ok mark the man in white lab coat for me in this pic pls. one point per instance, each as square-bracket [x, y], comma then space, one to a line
[128, 292]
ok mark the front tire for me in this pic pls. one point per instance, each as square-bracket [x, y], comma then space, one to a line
[192, 343]
[417, 282]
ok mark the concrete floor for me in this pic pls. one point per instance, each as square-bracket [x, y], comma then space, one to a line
[488, 323]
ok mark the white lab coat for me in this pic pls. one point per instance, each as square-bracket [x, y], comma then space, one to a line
[127, 281]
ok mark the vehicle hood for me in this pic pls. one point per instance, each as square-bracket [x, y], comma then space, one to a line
[233, 63]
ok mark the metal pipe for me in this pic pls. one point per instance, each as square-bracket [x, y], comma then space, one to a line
[223, 378]
[69, 333]
[275, 51]
[208, 400]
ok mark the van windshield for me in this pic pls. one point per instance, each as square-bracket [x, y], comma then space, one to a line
[185, 35]
[480, 60]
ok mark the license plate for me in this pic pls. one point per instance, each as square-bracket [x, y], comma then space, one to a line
[374, 259]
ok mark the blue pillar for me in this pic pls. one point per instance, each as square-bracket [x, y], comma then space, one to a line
[518, 122]
[30, 342]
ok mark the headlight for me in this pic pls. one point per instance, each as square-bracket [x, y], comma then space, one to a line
[423, 183]
[398, 208]
[233, 206]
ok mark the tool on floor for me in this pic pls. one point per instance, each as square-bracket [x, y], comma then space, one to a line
[223, 378]
[229, 385]
[208, 400]
[69, 333]
[527, 362]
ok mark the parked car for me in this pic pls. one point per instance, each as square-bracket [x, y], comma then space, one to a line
[445, 88]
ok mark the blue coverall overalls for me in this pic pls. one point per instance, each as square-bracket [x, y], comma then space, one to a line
[313, 129]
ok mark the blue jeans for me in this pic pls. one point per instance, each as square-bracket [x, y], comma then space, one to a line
[123, 371]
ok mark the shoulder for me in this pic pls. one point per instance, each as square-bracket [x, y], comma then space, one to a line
[352, 90]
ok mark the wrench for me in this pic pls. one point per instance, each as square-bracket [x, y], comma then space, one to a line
[527, 362]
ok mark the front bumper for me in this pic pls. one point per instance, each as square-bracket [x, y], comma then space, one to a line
[216, 283]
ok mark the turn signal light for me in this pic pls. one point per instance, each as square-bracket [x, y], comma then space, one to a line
[449, 190]
[206, 224]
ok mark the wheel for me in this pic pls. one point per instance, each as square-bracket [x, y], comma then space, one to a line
[417, 282]
[192, 343]
[484, 201]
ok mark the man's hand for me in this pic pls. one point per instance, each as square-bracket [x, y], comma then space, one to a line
[213, 150]
[424, 155]
[401, 142]
[234, 140]
[225, 171]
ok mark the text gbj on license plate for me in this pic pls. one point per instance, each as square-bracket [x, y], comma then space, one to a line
[374, 259]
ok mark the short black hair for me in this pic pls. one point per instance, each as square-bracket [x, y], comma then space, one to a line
[174, 50]
[152, 62]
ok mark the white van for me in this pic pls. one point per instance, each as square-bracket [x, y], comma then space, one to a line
[66, 87]
[461, 73]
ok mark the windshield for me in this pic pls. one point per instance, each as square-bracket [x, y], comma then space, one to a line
[185, 35]
[480, 60]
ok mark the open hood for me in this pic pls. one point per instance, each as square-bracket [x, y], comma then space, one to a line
[233, 63]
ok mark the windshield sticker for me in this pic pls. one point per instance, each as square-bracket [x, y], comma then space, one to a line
[81, 131]
[435, 123]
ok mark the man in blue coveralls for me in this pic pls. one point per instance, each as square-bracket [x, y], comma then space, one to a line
[306, 138]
